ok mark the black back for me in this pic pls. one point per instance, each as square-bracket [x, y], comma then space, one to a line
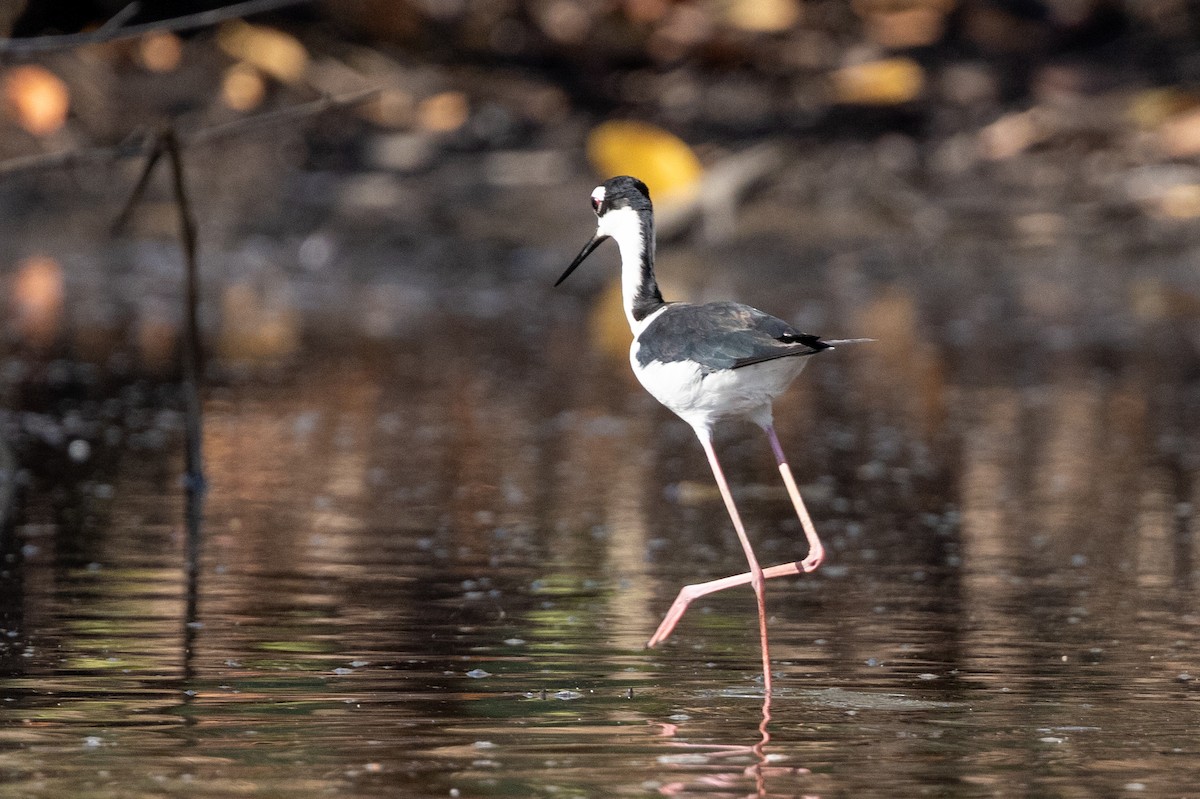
[722, 335]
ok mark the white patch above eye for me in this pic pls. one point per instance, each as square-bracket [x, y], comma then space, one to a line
[598, 196]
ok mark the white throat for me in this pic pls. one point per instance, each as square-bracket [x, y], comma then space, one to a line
[625, 227]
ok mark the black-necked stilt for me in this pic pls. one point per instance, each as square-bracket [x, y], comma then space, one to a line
[706, 363]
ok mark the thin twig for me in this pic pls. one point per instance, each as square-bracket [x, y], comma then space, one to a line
[113, 30]
[120, 18]
[138, 145]
[142, 144]
[193, 369]
[192, 362]
[167, 143]
[267, 118]
[139, 189]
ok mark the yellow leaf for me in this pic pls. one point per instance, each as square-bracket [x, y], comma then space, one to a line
[156, 337]
[898, 24]
[276, 53]
[1181, 201]
[888, 81]
[1179, 135]
[1153, 107]
[37, 294]
[764, 16]
[444, 112]
[37, 98]
[242, 87]
[258, 323]
[1011, 135]
[160, 51]
[666, 164]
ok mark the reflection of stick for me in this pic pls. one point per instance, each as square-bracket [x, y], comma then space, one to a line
[194, 515]
[143, 144]
[114, 29]
[8, 483]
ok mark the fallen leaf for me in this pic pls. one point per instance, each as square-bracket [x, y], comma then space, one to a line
[276, 53]
[37, 295]
[764, 16]
[666, 164]
[888, 81]
[37, 98]
[242, 87]
[443, 113]
[160, 51]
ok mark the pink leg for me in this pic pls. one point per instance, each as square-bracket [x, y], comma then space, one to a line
[689, 593]
[755, 576]
[816, 552]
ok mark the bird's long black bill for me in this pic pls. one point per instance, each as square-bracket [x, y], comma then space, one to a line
[584, 253]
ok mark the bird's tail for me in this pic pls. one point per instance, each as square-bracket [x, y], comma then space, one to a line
[837, 342]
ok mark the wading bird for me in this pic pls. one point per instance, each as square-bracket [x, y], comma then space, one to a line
[720, 360]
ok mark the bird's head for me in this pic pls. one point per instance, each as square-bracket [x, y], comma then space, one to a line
[623, 209]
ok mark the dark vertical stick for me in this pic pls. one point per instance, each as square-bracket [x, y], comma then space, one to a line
[192, 363]
[193, 367]
[140, 188]
[168, 142]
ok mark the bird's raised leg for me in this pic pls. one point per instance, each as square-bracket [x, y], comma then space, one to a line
[690, 593]
[816, 552]
[755, 576]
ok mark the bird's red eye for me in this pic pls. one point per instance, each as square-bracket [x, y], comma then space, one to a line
[595, 205]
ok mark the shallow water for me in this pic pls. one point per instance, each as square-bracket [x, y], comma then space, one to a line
[429, 571]
[430, 559]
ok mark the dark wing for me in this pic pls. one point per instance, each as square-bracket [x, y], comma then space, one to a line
[722, 335]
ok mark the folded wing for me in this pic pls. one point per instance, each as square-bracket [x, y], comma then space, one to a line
[722, 335]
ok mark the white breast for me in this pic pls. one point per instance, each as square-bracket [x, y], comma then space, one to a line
[701, 399]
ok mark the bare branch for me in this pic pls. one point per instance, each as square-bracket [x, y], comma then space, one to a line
[139, 189]
[121, 17]
[167, 143]
[193, 364]
[113, 30]
[268, 118]
[67, 159]
[142, 143]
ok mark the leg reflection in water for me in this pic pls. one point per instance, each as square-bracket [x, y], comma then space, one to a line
[733, 780]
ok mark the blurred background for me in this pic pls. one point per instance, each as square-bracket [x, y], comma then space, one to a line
[437, 496]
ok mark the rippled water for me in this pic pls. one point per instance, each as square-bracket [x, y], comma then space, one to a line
[429, 567]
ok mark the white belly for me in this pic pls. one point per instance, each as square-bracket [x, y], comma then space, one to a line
[701, 399]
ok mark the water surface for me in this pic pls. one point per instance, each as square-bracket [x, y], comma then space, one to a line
[430, 563]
